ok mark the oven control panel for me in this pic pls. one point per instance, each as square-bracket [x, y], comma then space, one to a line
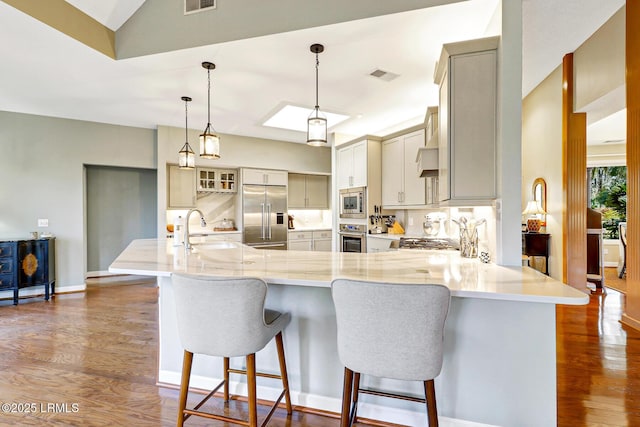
[352, 228]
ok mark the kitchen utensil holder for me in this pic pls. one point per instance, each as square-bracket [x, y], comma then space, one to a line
[469, 243]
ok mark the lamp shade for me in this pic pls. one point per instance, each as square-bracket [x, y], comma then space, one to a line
[533, 208]
[209, 145]
[186, 158]
[317, 129]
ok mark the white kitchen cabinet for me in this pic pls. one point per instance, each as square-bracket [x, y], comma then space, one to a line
[308, 191]
[378, 244]
[181, 188]
[352, 166]
[467, 121]
[316, 240]
[401, 184]
[212, 180]
[300, 240]
[264, 177]
[322, 240]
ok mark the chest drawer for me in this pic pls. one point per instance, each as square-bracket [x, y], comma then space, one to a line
[6, 265]
[6, 250]
[7, 281]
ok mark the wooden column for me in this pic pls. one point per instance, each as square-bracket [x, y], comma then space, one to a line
[631, 315]
[574, 183]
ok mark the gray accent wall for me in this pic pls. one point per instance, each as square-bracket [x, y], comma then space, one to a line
[121, 207]
[42, 176]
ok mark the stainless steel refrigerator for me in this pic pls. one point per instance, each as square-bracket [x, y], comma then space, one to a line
[264, 216]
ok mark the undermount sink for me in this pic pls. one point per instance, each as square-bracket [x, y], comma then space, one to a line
[210, 246]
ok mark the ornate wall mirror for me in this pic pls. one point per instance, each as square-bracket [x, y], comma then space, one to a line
[539, 190]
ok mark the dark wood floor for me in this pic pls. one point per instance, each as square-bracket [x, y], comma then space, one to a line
[89, 359]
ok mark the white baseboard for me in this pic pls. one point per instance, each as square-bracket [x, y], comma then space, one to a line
[365, 410]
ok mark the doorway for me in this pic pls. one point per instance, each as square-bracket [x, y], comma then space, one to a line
[121, 205]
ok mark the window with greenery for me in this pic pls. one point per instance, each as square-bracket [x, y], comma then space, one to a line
[608, 195]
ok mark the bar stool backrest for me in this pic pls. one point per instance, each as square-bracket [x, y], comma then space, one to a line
[223, 316]
[391, 330]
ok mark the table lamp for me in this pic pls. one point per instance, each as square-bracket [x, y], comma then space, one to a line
[533, 222]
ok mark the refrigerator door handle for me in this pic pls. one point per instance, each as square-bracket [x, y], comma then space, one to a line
[269, 221]
[262, 231]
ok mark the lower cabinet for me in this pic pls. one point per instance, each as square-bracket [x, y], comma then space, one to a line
[317, 240]
[322, 240]
[26, 263]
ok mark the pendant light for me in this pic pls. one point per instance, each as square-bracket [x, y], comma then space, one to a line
[317, 122]
[209, 141]
[186, 157]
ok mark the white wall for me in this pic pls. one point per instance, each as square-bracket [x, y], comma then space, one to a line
[42, 175]
[542, 157]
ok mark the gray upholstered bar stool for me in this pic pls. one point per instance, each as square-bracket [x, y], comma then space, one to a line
[389, 330]
[226, 317]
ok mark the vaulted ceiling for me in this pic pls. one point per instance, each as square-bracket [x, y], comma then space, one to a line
[49, 73]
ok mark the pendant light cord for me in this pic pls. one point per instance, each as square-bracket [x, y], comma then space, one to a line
[209, 98]
[186, 124]
[317, 65]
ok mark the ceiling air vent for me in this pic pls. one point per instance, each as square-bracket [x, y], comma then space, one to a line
[383, 75]
[192, 6]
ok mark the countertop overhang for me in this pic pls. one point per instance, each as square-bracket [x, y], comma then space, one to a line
[467, 278]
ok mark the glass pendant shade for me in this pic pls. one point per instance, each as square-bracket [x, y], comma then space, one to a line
[317, 129]
[209, 145]
[186, 157]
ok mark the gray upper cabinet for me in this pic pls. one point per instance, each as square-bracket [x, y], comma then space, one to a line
[467, 128]
[308, 191]
[181, 188]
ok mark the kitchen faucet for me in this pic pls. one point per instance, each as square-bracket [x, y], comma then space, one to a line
[203, 223]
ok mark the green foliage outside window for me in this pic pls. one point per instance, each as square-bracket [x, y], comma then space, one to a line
[608, 195]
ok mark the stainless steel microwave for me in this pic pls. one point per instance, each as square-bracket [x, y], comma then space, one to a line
[353, 203]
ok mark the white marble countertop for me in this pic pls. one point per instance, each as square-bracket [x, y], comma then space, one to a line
[465, 277]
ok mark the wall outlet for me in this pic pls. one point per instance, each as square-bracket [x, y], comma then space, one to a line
[605, 251]
[43, 222]
[410, 221]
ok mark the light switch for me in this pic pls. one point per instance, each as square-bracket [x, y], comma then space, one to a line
[43, 222]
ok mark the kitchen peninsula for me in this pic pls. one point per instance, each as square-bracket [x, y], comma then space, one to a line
[500, 354]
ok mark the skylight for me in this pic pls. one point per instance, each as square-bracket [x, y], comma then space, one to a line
[292, 117]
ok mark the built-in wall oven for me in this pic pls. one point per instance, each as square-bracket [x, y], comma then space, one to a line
[353, 203]
[353, 238]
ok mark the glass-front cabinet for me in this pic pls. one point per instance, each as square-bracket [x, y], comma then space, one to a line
[217, 180]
